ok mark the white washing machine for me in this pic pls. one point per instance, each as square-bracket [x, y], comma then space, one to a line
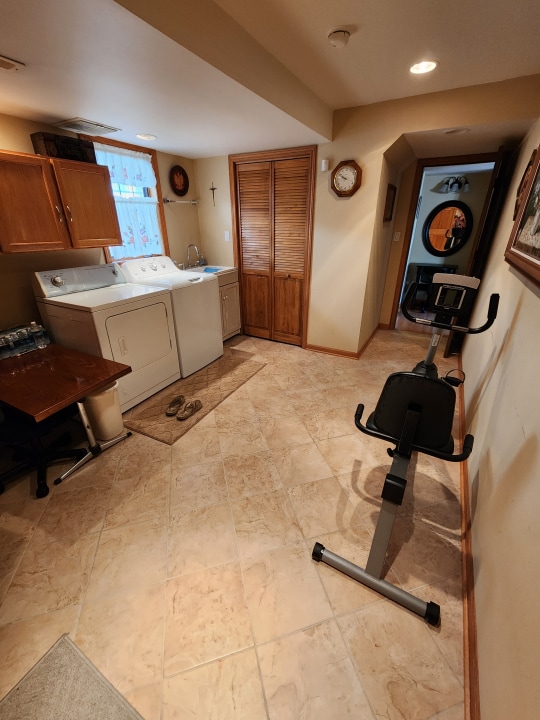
[195, 301]
[94, 309]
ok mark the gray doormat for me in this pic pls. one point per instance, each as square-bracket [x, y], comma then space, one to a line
[64, 685]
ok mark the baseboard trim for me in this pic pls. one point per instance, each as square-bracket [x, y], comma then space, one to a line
[470, 642]
[333, 351]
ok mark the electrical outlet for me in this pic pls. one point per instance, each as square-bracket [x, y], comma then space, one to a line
[227, 236]
[397, 236]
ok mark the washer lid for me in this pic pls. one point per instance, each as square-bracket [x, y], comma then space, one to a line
[106, 297]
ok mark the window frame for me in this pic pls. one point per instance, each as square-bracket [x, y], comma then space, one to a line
[160, 207]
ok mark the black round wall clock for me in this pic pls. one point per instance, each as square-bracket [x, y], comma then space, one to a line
[178, 180]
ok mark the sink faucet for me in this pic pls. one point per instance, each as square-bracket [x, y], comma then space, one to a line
[196, 263]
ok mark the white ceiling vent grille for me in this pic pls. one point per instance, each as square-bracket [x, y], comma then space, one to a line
[86, 127]
[10, 64]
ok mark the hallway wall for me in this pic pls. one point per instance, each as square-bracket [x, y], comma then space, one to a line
[502, 398]
[351, 243]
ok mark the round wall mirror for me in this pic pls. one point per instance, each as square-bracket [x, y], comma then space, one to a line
[447, 228]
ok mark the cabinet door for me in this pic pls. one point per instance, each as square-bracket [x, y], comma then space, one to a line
[287, 320]
[291, 239]
[31, 216]
[230, 310]
[88, 203]
[256, 247]
[256, 304]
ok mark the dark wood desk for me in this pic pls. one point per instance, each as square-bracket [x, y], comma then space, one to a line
[44, 382]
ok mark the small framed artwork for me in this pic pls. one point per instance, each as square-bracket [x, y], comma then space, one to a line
[523, 184]
[178, 180]
[389, 202]
[523, 249]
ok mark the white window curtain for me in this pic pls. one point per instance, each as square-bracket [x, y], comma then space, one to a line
[138, 217]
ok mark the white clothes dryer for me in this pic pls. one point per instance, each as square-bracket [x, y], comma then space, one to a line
[94, 309]
[196, 308]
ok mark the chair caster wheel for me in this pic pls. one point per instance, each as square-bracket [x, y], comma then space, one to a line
[42, 491]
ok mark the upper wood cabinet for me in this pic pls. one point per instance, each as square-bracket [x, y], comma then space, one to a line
[50, 204]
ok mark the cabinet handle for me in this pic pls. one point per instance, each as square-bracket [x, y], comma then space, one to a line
[59, 212]
[69, 213]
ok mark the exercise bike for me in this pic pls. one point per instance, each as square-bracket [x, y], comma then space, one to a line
[415, 412]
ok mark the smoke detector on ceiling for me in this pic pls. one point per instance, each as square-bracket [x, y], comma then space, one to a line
[339, 38]
[10, 64]
[86, 127]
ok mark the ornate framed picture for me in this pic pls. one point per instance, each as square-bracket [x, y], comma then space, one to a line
[523, 249]
[178, 180]
[523, 184]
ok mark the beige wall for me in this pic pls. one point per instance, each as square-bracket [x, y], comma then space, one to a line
[401, 214]
[350, 241]
[215, 213]
[502, 397]
[181, 218]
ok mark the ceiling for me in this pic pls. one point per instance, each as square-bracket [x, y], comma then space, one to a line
[214, 78]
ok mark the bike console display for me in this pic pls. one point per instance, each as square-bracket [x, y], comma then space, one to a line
[454, 298]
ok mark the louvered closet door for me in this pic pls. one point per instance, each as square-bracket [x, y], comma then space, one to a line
[273, 218]
[291, 193]
[255, 229]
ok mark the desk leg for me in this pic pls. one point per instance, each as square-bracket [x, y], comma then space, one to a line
[94, 447]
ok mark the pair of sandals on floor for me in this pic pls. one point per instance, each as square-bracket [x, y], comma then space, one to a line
[175, 408]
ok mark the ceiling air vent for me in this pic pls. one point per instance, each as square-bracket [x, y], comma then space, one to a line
[86, 127]
[10, 64]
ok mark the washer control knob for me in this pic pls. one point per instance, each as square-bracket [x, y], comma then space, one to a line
[152, 266]
[57, 281]
[143, 268]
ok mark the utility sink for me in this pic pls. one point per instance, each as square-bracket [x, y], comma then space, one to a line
[225, 274]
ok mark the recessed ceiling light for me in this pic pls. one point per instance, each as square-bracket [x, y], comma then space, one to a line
[423, 67]
[146, 136]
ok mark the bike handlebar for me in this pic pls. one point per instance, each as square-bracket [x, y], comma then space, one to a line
[491, 315]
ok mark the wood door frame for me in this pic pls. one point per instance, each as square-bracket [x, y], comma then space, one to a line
[309, 151]
[421, 164]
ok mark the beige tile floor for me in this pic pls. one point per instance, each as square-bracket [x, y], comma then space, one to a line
[185, 573]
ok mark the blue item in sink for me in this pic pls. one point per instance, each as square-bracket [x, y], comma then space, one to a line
[211, 269]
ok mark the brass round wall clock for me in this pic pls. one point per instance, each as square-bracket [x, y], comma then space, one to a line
[178, 180]
[346, 178]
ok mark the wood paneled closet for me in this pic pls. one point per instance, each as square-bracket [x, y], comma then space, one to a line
[273, 219]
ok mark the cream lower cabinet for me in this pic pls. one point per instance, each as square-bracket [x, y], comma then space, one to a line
[229, 296]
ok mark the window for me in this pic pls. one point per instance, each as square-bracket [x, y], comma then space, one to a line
[137, 196]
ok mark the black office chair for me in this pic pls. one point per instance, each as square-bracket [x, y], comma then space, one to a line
[29, 446]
